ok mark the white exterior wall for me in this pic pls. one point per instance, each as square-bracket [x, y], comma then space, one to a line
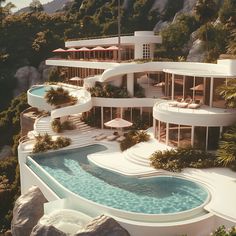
[130, 84]
[138, 37]
[138, 51]
[214, 117]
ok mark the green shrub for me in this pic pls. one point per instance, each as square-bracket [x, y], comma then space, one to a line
[133, 137]
[139, 91]
[67, 125]
[221, 231]
[56, 126]
[177, 159]
[109, 91]
[59, 127]
[45, 143]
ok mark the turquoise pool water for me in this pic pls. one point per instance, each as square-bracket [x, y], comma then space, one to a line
[40, 91]
[157, 195]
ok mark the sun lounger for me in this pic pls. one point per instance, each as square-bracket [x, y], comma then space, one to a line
[184, 104]
[101, 137]
[120, 139]
[175, 103]
[194, 105]
[112, 137]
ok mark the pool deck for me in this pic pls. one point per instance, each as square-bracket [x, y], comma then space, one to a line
[221, 182]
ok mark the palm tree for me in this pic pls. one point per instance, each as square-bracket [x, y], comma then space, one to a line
[226, 153]
[231, 48]
[227, 146]
[228, 92]
[59, 96]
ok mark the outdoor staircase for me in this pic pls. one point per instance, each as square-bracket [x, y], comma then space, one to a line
[80, 125]
[43, 126]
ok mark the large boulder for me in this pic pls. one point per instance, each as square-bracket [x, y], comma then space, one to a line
[44, 71]
[27, 211]
[26, 77]
[46, 230]
[197, 52]
[103, 226]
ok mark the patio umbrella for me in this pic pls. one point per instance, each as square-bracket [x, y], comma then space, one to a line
[77, 79]
[159, 84]
[72, 50]
[84, 50]
[198, 87]
[112, 48]
[59, 50]
[98, 48]
[118, 123]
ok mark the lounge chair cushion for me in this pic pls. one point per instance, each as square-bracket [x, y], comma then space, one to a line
[112, 137]
[101, 137]
[121, 138]
[194, 105]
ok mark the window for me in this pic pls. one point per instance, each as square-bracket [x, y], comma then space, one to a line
[146, 51]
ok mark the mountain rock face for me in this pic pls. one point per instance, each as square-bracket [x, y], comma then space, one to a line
[50, 7]
[27, 211]
[197, 52]
[26, 77]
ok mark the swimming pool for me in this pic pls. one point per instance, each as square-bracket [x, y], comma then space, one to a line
[156, 195]
[40, 90]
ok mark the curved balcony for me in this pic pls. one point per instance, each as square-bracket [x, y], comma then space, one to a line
[203, 116]
[35, 97]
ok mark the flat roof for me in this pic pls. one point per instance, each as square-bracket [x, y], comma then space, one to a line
[197, 72]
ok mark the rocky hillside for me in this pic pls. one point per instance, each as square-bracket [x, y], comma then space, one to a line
[50, 7]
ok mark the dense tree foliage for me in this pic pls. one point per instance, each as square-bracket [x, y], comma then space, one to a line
[10, 120]
[10, 190]
[218, 36]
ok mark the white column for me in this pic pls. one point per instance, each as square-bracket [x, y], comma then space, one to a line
[192, 136]
[130, 84]
[194, 88]
[154, 126]
[159, 131]
[167, 133]
[206, 138]
[102, 123]
[211, 91]
[184, 79]
[221, 130]
[204, 90]
[141, 111]
[173, 84]
[178, 135]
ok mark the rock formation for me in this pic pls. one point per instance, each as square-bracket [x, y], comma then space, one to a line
[197, 52]
[46, 230]
[27, 211]
[26, 77]
[103, 226]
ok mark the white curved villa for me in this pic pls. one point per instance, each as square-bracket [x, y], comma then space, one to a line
[180, 104]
